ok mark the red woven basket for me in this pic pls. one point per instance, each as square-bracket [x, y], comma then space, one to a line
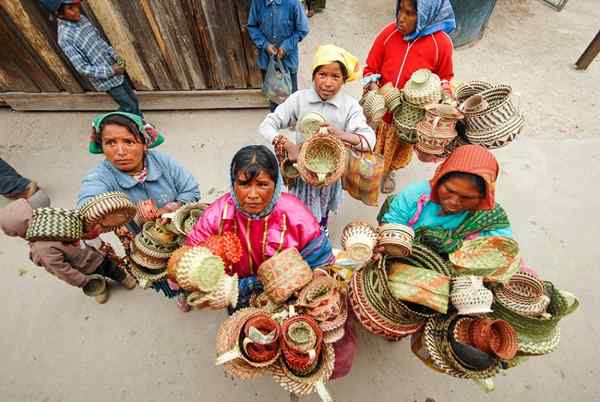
[258, 352]
[300, 362]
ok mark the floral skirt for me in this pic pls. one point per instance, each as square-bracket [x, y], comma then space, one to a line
[396, 153]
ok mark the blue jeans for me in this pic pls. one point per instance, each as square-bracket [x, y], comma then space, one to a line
[10, 181]
[293, 76]
[124, 96]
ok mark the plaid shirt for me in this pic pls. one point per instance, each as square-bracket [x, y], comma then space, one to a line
[89, 53]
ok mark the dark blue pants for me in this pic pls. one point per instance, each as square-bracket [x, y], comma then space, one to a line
[10, 181]
[126, 98]
[293, 76]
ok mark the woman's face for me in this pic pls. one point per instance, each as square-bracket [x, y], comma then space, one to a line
[328, 80]
[256, 194]
[122, 148]
[458, 194]
[407, 17]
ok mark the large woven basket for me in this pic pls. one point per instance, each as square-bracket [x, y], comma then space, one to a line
[485, 256]
[322, 160]
[523, 294]
[284, 274]
[423, 87]
[109, 211]
[499, 110]
[55, 224]
[467, 89]
[422, 256]
[498, 136]
[199, 269]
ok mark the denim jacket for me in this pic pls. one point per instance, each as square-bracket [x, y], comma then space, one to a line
[167, 181]
[281, 23]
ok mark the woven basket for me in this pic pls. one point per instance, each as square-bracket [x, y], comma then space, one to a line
[467, 89]
[261, 343]
[418, 285]
[498, 136]
[228, 346]
[322, 160]
[423, 87]
[396, 239]
[468, 356]
[437, 129]
[185, 217]
[309, 124]
[406, 118]
[334, 335]
[262, 301]
[320, 298]
[174, 261]
[373, 105]
[145, 277]
[392, 96]
[359, 239]
[498, 111]
[224, 295]
[199, 269]
[55, 224]
[109, 211]
[284, 274]
[503, 342]
[423, 257]
[301, 343]
[485, 256]
[469, 296]
[523, 294]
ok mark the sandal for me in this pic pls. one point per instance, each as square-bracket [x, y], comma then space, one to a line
[388, 185]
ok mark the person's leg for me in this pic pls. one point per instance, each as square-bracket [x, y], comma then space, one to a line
[135, 103]
[294, 76]
[110, 270]
[11, 182]
[125, 98]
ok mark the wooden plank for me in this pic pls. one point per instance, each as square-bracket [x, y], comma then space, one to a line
[122, 41]
[254, 76]
[589, 54]
[221, 18]
[149, 100]
[152, 56]
[40, 44]
[202, 41]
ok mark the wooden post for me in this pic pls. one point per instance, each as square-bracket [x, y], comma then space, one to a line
[589, 54]
[40, 44]
[121, 39]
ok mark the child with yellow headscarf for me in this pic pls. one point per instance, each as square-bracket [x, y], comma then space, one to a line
[331, 69]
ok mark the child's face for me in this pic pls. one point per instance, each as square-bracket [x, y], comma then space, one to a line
[71, 12]
[329, 80]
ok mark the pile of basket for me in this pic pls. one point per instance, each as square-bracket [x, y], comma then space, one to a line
[289, 329]
[469, 315]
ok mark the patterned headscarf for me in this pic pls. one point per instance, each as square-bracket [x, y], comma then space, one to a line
[473, 159]
[145, 131]
[276, 193]
[432, 16]
[327, 54]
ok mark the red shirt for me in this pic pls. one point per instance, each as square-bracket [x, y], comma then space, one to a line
[396, 59]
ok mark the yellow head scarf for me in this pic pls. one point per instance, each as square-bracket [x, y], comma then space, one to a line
[327, 54]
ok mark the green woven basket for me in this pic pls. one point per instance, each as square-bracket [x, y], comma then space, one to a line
[55, 224]
[423, 257]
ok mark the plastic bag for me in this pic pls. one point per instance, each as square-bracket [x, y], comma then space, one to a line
[277, 86]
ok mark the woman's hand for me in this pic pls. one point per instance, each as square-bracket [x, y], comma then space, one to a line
[292, 150]
[281, 53]
[334, 130]
[272, 50]
[91, 232]
[377, 253]
[372, 86]
[167, 208]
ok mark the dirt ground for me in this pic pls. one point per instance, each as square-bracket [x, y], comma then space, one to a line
[57, 345]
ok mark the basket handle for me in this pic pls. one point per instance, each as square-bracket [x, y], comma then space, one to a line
[434, 125]
[322, 391]
[228, 356]
[362, 139]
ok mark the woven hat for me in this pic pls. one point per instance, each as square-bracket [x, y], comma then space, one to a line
[359, 239]
[469, 296]
[486, 256]
[284, 274]
[322, 160]
[55, 224]
[422, 88]
[108, 210]
[523, 294]
[310, 383]
[396, 239]
[310, 124]
[373, 105]
[406, 117]
[228, 346]
[199, 269]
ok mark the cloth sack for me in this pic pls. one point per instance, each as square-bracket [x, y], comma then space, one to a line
[363, 174]
[277, 86]
[421, 286]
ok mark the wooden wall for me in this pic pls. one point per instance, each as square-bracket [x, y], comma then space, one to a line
[169, 45]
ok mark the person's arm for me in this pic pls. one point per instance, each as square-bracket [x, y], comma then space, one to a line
[300, 31]
[404, 204]
[356, 123]
[91, 186]
[53, 260]
[259, 39]
[185, 184]
[374, 61]
[81, 64]
[281, 118]
[445, 66]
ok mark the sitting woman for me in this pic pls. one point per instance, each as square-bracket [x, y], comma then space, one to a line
[331, 69]
[130, 167]
[457, 204]
[265, 219]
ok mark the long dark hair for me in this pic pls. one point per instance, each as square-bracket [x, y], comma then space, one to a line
[477, 181]
[253, 159]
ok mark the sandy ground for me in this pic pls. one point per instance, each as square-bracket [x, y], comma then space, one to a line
[58, 345]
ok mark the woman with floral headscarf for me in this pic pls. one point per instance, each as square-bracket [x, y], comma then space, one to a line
[418, 38]
[331, 69]
[130, 167]
[457, 204]
[265, 219]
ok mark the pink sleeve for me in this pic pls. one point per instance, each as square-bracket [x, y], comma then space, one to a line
[207, 225]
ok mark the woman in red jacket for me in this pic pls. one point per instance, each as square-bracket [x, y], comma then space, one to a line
[417, 39]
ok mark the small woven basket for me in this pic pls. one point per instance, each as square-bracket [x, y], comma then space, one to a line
[322, 160]
[423, 87]
[109, 211]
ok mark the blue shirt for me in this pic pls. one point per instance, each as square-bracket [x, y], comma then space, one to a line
[404, 207]
[89, 53]
[167, 181]
[281, 23]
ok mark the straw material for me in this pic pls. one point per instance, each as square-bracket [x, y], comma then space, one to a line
[498, 136]
[322, 160]
[283, 274]
[310, 124]
[144, 277]
[423, 257]
[199, 269]
[374, 106]
[437, 129]
[469, 296]
[55, 224]
[322, 299]
[396, 239]
[467, 89]
[185, 217]
[262, 301]
[359, 239]
[523, 294]
[423, 87]
[301, 336]
[109, 211]
[485, 256]
[406, 117]
[392, 96]
[334, 335]
[420, 286]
